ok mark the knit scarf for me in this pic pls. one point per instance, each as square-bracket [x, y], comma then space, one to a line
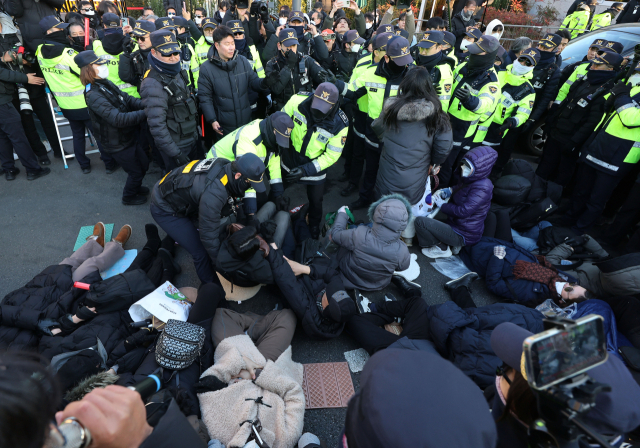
[543, 273]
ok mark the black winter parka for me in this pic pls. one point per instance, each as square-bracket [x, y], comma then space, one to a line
[28, 14]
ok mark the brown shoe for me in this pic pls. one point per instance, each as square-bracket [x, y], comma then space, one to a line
[98, 231]
[123, 235]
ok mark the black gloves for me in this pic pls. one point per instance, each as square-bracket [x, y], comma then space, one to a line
[282, 203]
[292, 59]
[438, 89]
[268, 230]
[462, 94]
[577, 241]
[128, 45]
[142, 337]
[182, 159]
[254, 11]
[209, 384]
[509, 123]
[621, 89]
[294, 175]
[270, 80]
[327, 76]
[46, 325]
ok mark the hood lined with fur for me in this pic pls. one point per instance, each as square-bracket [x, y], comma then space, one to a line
[411, 111]
[99, 380]
[392, 211]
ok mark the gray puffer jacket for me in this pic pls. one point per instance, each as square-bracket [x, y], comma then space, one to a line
[369, 256]
[409, 150]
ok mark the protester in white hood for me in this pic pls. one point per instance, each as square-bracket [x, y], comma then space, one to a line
[495, 29]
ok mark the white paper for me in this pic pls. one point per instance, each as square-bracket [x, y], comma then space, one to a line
[165, 303]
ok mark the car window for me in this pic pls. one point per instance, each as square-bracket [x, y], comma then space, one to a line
[576, 50]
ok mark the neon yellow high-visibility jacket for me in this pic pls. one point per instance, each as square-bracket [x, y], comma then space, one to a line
[601, 20]
[579, 72]
[616, 145]
[576, 22]
[200, 56]
[247, 139]
[63, 77]
[312, 147]
[114, 63]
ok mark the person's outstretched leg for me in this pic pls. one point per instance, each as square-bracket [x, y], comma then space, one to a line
[88, 250]
[112, 252]
[210, 298]
[462, 297]
[147, 255]
[273, 333]
[366, 330]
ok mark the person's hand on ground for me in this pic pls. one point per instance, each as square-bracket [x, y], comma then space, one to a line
[500, 252]
[115, 416]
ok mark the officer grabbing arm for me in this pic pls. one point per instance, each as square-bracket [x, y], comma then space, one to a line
[476, 91]
[267, 139]
[291, 72]
[318, 137]
[438, 64]
[168, 101]
[193, 204]
[134, 63]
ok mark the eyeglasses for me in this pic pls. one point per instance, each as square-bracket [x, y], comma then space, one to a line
[87, 10]
[141, 38]
[238, 34]
[525, 61]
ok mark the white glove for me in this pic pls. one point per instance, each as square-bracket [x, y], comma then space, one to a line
[500, 251]
[437, 200]
[343, 209]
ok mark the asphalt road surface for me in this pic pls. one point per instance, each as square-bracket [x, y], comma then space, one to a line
[40, 220]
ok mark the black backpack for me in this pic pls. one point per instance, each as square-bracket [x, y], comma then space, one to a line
[553, 236]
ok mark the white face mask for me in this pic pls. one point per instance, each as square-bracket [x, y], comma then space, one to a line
[355, 48]
[496, 35]
[634, 79]
[222, 14]
[88, 13]
[464, 44]
[368, 25]
[103, 71]
[209, 39]
[518, 69]
[198, 20]
[171, 14]
[466, 170]
[282, 21]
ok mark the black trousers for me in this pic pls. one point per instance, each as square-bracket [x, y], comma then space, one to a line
[627, 217]
[505, 149]
[148, 260]
[590, 195]
[449, 166]
[135, 163]
[498, 225]
[372, 159]
[12, 137]
[315, 194]
[462, 297]
[42, 110]
[366, 328]
[557, 158]
[356, 163]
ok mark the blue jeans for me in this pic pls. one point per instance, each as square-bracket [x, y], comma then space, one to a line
[529, 240]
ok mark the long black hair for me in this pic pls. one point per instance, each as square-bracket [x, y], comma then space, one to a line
[416, 86]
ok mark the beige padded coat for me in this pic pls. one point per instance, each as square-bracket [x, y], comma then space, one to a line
[279, 385]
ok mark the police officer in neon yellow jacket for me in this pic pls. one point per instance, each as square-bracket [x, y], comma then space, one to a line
[515, 104]
[55, 57]
[577, 21]
[580, 71]
[476, 91]
[604, 18]
[612, 151]
[267, 139]
[319, 133]
[202, 46]
[438, 64]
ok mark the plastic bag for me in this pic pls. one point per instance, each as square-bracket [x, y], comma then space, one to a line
[451, 267]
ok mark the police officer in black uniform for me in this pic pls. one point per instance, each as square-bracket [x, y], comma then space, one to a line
[291, 72]
[134, 64]
[192, 204]
[116, 117]
[169, 101]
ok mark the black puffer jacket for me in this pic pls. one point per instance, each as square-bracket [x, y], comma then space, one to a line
[8, 80]
[28, 14]
[284, 84]
[459, 29]
[155, 100]
[546, 82]
[302, 294]
[133, 66]
[224, 89]
[314, 47]
[115, 115]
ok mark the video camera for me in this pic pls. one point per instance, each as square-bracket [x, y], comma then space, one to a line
[556, 362]
[18, 56]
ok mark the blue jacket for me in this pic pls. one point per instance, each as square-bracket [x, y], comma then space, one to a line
[615, 339]
[463, 335]
[498, 273]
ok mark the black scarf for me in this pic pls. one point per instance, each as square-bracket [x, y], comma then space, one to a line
[241, 44]
[58, 38]
[164, 67]
[268, 136]
[237, 187]
[78, 43]
[183, 37]
[598, 77]
[477, 64]
[546, 57]
[429, 62]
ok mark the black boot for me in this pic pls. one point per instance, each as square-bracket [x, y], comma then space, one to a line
[351, 188]
[153, 239]
[169, 244]
[360, 203]
[464, 280]
[409, 289]
[169, 265]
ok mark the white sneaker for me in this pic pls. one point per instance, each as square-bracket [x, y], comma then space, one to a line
[455, 250]
[436, 252]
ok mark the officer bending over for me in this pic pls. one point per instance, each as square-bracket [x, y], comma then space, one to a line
[318, 137]
[191, 203]
[267, 139]
[116, 116]
[169, 102]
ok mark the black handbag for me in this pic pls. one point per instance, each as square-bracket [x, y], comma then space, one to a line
[179, 344]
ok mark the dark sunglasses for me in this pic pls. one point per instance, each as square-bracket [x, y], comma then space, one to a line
[87, 10]
[141, 38]
[525, 61]
[238, 34]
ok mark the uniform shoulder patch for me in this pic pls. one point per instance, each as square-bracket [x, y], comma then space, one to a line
[531, 104]
[493, 89]
[71, 52]
[447, 88]
[343, 140]
[343, 116]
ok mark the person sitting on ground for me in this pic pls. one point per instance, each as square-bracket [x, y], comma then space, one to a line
[253, 375]
[469, 203]
[369, 256]
[514, 405]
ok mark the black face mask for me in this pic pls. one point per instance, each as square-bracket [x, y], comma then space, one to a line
[237, 187]
[429, 61]
[597, 77]
[78, 43]
[58, 37]
[393, 68]
[479, 63]
[182, 37]
[317, 115]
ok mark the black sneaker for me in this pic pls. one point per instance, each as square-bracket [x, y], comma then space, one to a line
[44, 160]
[11, 174]
[112, 169]
[409, 289]
[86, 170]
[143, 190]
[464, 280]
[344, 177]
[35, 175]
[360, 203]
[136, 200]
[349, 190]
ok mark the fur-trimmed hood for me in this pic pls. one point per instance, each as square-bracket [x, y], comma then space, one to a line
[99, 380]
[392, 211]
[413, 110]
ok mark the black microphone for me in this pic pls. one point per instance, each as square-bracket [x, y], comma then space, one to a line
[147, 387]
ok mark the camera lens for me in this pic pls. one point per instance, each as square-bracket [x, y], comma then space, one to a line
[23, 99]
